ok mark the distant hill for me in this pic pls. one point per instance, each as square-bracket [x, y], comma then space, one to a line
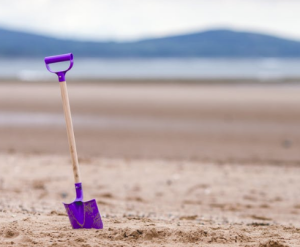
[210, 44]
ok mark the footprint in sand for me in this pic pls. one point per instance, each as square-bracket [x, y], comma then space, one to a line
[38, 185]
[13, 237]
[10, 233]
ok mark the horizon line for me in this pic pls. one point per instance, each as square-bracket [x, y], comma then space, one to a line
[175, 34]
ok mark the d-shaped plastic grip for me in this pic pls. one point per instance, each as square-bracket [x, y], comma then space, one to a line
[57, 59]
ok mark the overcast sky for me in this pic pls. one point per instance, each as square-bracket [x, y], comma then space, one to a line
[135, 19]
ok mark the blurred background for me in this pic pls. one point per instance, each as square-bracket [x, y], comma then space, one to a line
[187, 79]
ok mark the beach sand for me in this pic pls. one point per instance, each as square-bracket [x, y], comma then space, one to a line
[169, 165]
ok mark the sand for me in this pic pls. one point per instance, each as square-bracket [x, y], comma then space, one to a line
[150, 203]
[169, 165]
[244, 123]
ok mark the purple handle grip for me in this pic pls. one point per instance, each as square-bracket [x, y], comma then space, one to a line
[59, 58]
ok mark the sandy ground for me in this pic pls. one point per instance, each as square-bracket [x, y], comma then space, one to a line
[169, 165]
[245, 123]
[150, 203]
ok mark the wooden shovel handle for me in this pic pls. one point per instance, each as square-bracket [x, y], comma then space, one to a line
[70, 131]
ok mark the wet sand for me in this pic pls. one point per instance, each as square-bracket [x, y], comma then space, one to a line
[169, 165]
[194, 122]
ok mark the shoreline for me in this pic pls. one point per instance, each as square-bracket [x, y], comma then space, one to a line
[197, 122]
[164, 81]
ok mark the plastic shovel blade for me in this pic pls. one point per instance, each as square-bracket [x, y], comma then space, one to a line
[84, 214]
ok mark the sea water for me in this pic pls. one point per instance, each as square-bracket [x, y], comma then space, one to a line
[261, 69]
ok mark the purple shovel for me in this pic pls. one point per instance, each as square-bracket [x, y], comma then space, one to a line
[81, 214]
